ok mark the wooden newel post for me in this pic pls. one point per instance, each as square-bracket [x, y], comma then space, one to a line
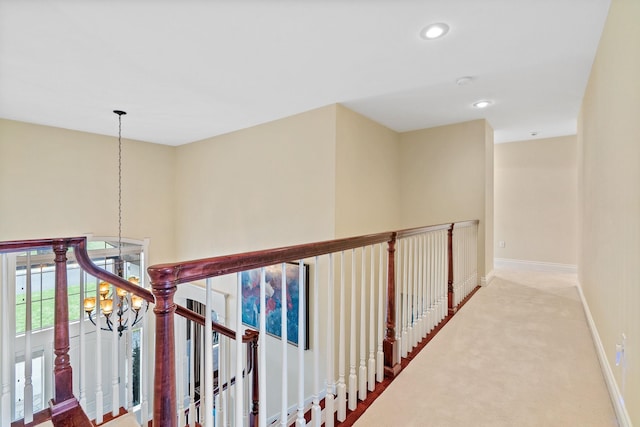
[164, 397]
[451, 297]
[63, 398]
[392, 364]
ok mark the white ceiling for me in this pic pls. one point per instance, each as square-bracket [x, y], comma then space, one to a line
[192, 69]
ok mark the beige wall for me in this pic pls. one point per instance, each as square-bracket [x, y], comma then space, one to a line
[609, 183]
[318, 175]
[489, 221]
[536, 200]
[263, 187]
[443, 178]
[367, 175]
[59, 183]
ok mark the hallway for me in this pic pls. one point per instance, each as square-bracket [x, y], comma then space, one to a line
[519, 353]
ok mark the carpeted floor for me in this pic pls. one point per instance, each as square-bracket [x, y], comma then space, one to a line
[519, 353]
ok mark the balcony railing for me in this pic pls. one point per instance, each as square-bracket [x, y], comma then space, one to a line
[313, 328]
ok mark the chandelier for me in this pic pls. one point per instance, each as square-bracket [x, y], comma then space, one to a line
[123, 301]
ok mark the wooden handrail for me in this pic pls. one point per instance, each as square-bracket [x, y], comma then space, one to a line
[408, 232]
[249, 335]
[80, 251]
[79, 245]
[189, 271]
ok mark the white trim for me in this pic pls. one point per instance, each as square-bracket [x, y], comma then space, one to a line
[519, 264]
[614, 392]
[485, 280]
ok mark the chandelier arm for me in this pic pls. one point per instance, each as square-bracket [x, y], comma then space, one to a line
[91, 318]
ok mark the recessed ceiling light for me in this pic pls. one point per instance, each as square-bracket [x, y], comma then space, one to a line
[482, 104]
[434, 31]
[534, 133]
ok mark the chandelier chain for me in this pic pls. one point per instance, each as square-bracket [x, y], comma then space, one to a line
[120, 260]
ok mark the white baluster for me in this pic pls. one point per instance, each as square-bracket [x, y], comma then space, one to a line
[342, 388]
[5, 405]
[115, 357]
[283, 333]
[239, 389]
[329, 399]
[427, 284]
[417, 292]
[444, 272]
[474, 258]
[129, 353]
[468, 263]
[192, 396]
[206, 385]
[426, 271]
[371, 368]
[221, 402]
[457, 272]
[300, 421]
[262, 347]
[203, 412]
[82, 398]
[425, 290]
[362, 374]
[28, 383]
[316, 413]
[99, 392]
[434, 277]
[247, 388]
[440, 279]
[381, 317]
[441, 284]
[145, 346]
[353, 378]
[179, 328]
[463, 263]
[404, 301]
[420, 292]
[411, 297]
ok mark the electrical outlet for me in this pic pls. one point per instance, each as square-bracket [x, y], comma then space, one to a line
[501, 243]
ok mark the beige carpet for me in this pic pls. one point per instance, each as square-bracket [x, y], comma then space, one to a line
[519, 353]
[127, 420]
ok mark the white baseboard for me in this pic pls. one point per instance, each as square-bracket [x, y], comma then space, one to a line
[624, 420]
[485, 280]
[519, 264]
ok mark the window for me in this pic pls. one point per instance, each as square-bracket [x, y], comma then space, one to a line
[38, 269]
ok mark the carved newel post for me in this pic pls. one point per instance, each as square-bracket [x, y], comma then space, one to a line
[392, 364]
[163, 286]
[63, 380]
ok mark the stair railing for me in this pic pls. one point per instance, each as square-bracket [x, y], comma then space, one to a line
[382, 294]
[420, 260]
[64, 408]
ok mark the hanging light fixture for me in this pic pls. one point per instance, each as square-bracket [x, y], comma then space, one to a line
[123, 301]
